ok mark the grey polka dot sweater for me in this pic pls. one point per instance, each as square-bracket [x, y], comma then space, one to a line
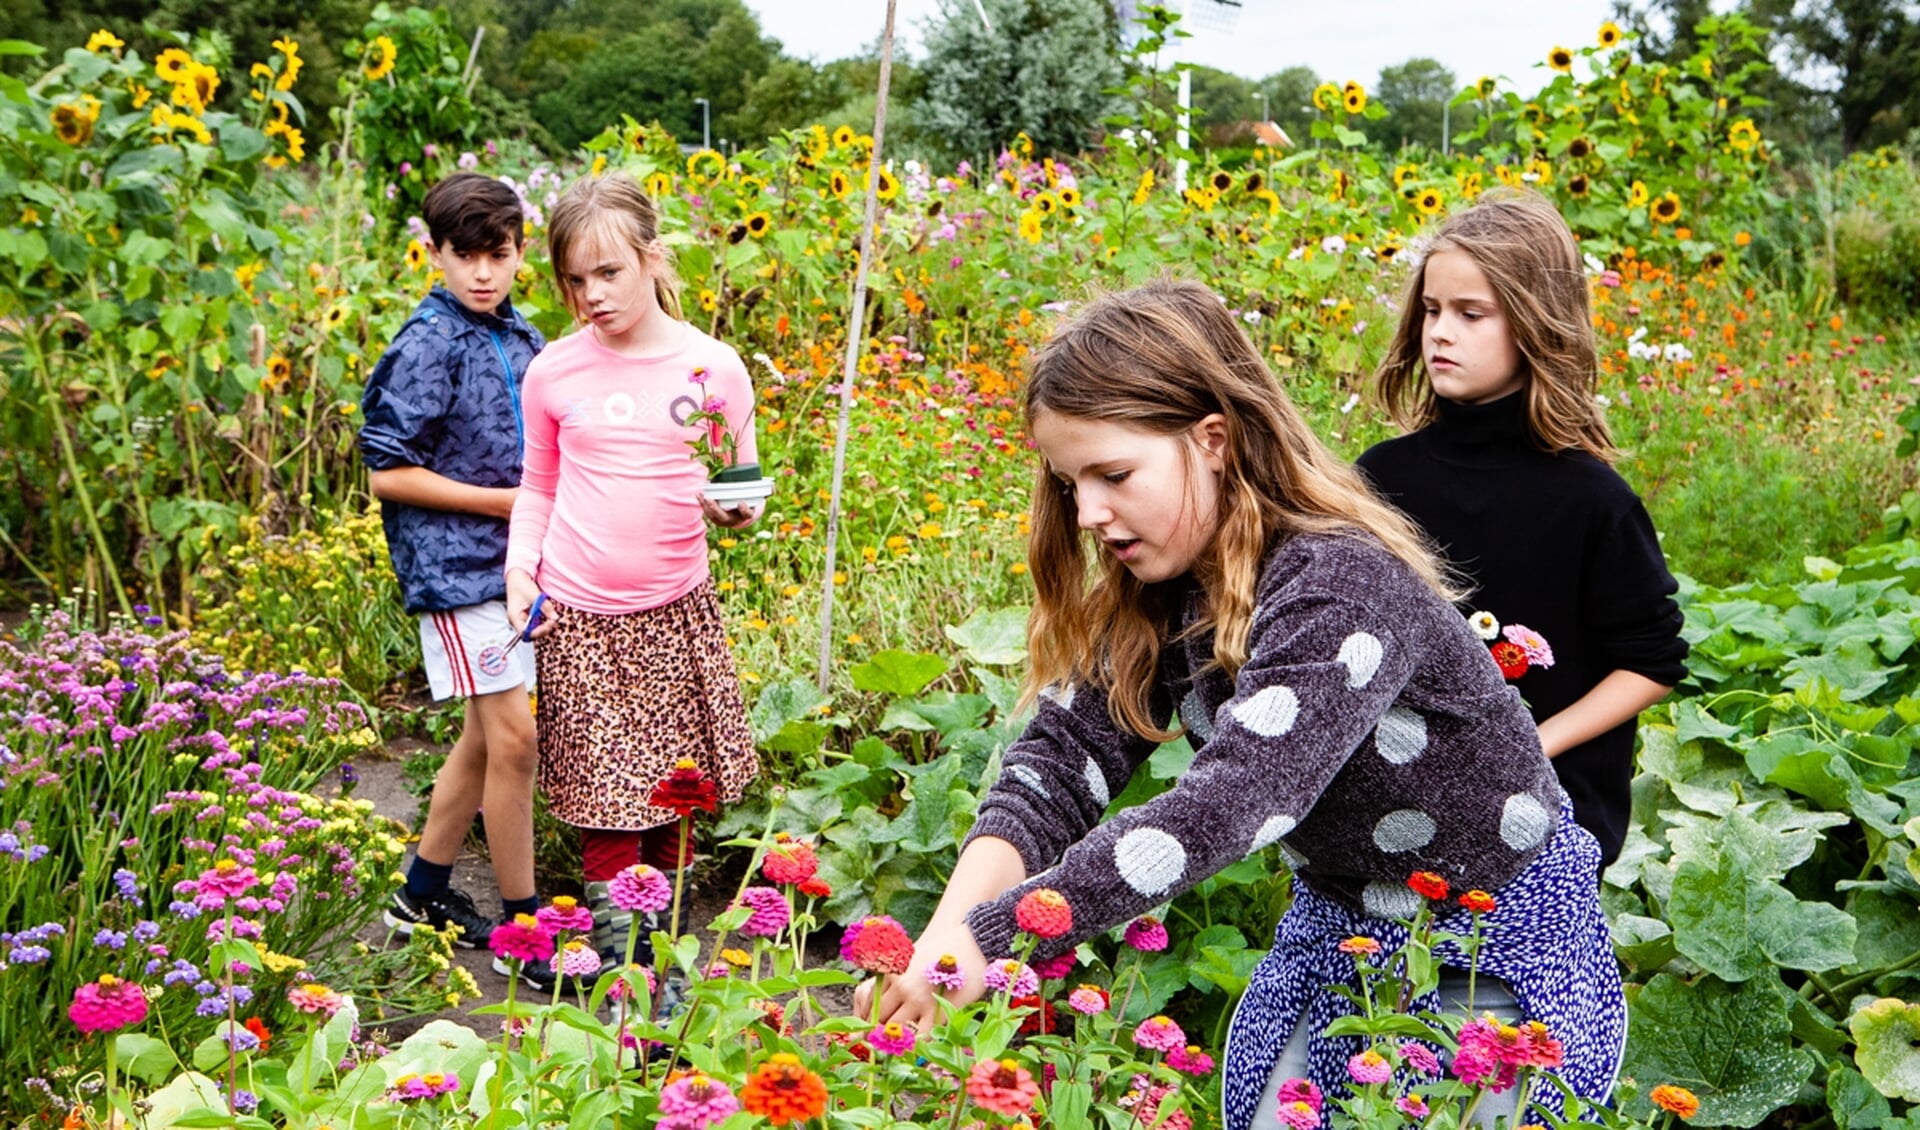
[1369, 734]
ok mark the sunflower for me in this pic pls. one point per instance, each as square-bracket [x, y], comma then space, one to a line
[1326, 96]
[73, 121]
[839, 185]
[759, 224]
[1402, 174]
[1254, 183]
[1579, 149]
[291, 49]
[1666, 209]
[750, 187]
[1144, 189]
[336, 316]
[707, 165]
[1470, 185]
[1486, 86]
[1609, 34]
[296, 144]
[1507, 176]
[1355, 97]
[1022, 145]
[1637, 195]
[843, 137]
[736, 233]
[279, 369]
[416, 255]
[140, 92]
[659, 185]
[377, 62]
[1069, 198]
[1387, 251]
[636, 137]
[1429, 202]
[1271, 199]
[709, 301]
[172, 65]
[1340, 185]
[1044, 203]
[196, 90]
[1030, 222]
[1560, 59]
[1533, 113]
[887, 187]
[818, 141]
[104, 40]
[1743, 135]
[1221, 180]
[1577, 186]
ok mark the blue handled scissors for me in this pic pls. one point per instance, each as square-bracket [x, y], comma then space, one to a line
[514, 639]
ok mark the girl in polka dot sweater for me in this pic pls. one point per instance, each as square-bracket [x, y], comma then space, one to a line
[1338, 705]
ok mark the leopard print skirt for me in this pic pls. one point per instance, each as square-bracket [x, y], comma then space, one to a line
[624, 697]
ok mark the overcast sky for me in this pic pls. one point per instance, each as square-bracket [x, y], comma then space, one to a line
[1339, 39]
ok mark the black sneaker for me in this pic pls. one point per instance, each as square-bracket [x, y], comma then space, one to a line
[450, 907]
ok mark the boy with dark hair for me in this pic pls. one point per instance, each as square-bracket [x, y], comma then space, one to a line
[441, 439]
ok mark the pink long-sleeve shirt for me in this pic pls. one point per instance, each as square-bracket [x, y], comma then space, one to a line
[608, 518]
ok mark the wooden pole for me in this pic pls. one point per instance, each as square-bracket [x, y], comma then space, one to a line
[856, 339]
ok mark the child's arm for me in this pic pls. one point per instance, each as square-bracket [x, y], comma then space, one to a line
[988, 868]
[1613, 700]
[418, 486]
[532, 508]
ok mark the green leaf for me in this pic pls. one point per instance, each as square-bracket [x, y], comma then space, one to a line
[1731, 1045]
[1708, 910]
[1071, 1103]
[898, 672]
[996, 638]
[20, 47]
[182, 321]
[781, 703]
[1700, 776]
[1889, 926]
[1644, 943]
[1854, 1103]
[1887, 1033]
[143, 1057]
[239, 142]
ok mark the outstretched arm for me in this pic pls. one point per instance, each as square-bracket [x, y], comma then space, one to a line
[1613, 700]
[431, 490]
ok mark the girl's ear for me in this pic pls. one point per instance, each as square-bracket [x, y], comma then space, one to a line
[1209, 434]
[654, 257]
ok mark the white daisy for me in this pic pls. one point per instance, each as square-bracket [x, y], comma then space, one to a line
[1485, 626]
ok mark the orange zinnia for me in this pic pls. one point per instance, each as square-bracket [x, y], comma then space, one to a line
[1677, 1100]
[782, 1090]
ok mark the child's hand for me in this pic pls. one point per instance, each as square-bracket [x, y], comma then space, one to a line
[730, 517]
[910, 998]
[522, 591]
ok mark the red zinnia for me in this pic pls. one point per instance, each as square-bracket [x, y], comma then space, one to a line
[685, 789]
[881, 946]
[1479, 902]
[1044, 913]
[782, 1090]
[789, 861]
[1511, 657]
[816, 887]
[260, 1032]
[1002, 1086]
[1428, 885]
[1037, 1023]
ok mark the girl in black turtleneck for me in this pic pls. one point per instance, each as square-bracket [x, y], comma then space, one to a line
[1508, 467]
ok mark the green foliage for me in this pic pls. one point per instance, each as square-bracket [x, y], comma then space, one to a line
[1044, 70]
[409, 105]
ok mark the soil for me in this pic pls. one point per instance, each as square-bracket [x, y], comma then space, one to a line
[710, 889]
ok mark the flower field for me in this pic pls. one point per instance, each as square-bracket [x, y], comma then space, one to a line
[193, 294]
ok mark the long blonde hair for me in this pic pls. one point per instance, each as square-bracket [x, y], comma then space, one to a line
[1160, 358]
[1523, 246]
[611, 210]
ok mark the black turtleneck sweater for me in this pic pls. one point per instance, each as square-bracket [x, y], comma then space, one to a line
[1560, 543]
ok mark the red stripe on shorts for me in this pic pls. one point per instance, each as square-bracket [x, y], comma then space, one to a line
[449, 640]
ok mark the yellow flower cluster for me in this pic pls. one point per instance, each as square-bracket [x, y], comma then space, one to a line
[377, 61]
[73, 121]
[194, 83]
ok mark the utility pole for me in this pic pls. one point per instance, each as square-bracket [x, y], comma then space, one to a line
[706, 123]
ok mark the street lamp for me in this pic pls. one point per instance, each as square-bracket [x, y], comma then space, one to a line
[706, 131]
[1265, 116]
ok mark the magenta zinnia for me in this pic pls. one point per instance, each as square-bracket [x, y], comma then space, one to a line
[892, 1038]
[226, 879]
[107, 1005]
[576, 959]
[1056, 968]
[564, 913]
[1088, 1000]
[1147, 934]
[1301, 1091]
[641, 888]
[1369, 1067]
[770, 912]
[946, 973]
[522, 940]
[1010, 976]
[1190, 1060]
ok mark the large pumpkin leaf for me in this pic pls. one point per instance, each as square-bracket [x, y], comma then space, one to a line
[898, 672]
[997, 637]
[1888, 1034]
[1731, 1045]
[1736, 926]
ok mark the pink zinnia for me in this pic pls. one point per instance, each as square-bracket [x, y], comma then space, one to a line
[946, 973]
[641, 888]
[1369, 1067]
[1531, 642]
[1479, 1059]
[1056, 968]
[1420, 1057]
[892, 1038]
[226, 879]
[1413, 1106]
[576, 959]
[315, 999]
[107, 1005]
[1147, 934]
[1002, 1086]
[1299, 1116]
[1360, 946]
[1301, 1091]
[521, 940]
[1160, 1034]
[564, 913]
[1088, 1000]
[1190, 1060]
[1011, 977]
[697, 1101]
[770, 912]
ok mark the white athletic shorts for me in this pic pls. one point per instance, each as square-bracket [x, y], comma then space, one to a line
[467, 654]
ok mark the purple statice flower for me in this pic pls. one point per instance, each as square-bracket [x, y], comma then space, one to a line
[110, 939]
[238, 1038]
[128, 884]
[245, 1101]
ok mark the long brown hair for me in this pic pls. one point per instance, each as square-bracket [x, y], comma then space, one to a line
[611, 210]
[1523, 246]
[1160, 359]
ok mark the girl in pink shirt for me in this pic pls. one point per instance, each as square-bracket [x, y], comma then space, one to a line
[632, 660]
